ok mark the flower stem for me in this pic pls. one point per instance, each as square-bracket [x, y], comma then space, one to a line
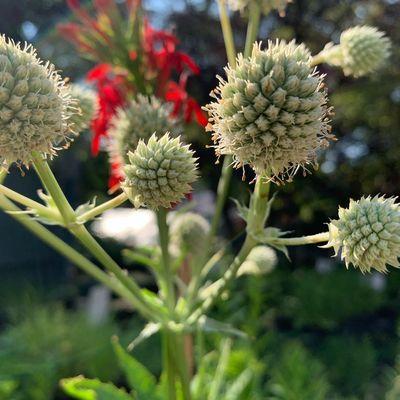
[53, 188]
[167, 274]
[256, 221]
[227, 33]
[299, 241]
[115, 202]
[83, 235]
[168, 365]
[64, 249]
[252, 27]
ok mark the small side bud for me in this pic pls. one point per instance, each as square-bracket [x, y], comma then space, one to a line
[160, 172]
[367, 233]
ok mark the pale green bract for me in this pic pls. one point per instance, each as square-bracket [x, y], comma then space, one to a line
[266, 5]
[140, 119]
[368, 233]
[35, 105]
[86, 107]
[159, 173]
[271, 112]
[362, 50]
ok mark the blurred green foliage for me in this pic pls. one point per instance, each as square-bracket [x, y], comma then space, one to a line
[47, 343]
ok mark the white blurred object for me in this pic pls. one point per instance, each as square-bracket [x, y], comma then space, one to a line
[98, 304]
[324, 265]
[128, 226]
[377, 281]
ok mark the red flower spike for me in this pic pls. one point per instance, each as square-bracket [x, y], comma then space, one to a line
[111, 90]
[103, 5]
[73, 4]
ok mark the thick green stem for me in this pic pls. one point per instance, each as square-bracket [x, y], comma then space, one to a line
[65, 250]
[252, 27]
[53, 188]
[168, 365]
[300, 241]
[182, 365]
[167, 274]
[115, 202]
[227, 33]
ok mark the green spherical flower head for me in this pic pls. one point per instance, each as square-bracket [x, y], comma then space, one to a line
[139, 120]
[271, 112]
[261, 260]
[362, 50]
[189, 232]
[159, 173]
[34, 105]
[368, 233]
[85, 107]
[266, 5]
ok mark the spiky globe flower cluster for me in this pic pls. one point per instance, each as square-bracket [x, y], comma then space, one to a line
[188, 233]
[368, 233]
[139, 120]
[85, 107]
[271, 112]
[261, 260]
[160, 172]
[362, 50]
[34, 105]
[266, 5]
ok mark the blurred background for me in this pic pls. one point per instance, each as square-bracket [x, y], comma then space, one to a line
[317, 331]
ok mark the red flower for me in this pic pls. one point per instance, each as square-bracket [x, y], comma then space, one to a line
[183, 103]
[111, 89]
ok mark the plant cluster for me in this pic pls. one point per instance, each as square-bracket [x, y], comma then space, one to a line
[270, 113]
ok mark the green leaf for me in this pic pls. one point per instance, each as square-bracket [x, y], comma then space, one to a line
[7, 388]
[92, 389]
[140, 380]
[243, 211]
[218, 380]
[237, 388]
[84, 208]
[149, 330]
[207, 324]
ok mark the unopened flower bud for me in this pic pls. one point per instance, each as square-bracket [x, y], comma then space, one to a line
[361, 51]
[368, 233]
[189, 232]
[35, 105]
[271, 113]
[261, 260]
[140, 119]
[85, 107]
[160, 172]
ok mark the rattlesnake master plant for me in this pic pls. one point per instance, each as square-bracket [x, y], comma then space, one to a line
[189, 232]
[368, 233]
[266, 5]
[86, 107]
[271, 113]
[362, 50]
[139, 120]
[261, 260]
[160, 172]
[34, 105]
